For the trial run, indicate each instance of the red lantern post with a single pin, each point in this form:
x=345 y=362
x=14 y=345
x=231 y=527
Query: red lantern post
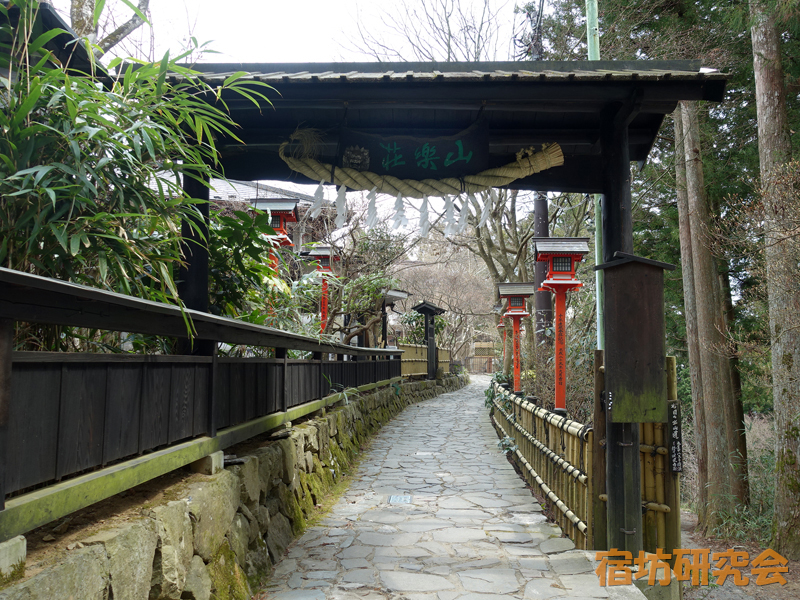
x=562 y=256
x=324 y=257
x=281 y=211
x=516 y=293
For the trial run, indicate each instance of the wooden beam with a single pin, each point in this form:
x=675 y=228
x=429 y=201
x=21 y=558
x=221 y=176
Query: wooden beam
x=6 y=350
x=35 y=299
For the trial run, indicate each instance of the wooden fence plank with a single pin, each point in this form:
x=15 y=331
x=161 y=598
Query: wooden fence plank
x=33 y=425
x=202 y=393
x=181 y=410
x=81 y=418
x=222 y=395
x=123 y=406
x=156 y=387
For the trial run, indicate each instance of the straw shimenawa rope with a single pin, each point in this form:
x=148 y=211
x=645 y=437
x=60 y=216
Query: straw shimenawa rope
x=528 y=162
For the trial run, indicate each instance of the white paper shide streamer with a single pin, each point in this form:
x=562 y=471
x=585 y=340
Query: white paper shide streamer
x=462 y=221
x=400 y=219
x=449 y=216
x=372 y=211
x=341 y=208
x=487 y=210
x=424 y=222
x=319 y=198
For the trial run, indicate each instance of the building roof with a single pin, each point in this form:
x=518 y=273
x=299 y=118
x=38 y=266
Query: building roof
x=561 y=246
x=516 y=289
x=318 y=251
x=275 y=206
x=426 y=308
x=522 y=104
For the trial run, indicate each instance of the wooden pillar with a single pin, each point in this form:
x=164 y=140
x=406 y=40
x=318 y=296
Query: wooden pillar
x=599 y=516
x=6 y=347
x=623 y=473
x=543 y=301
x=280 y=353
x=617 y=224
x=430 y=340
x=517 y=356
x=561 y=353
x=193 y=275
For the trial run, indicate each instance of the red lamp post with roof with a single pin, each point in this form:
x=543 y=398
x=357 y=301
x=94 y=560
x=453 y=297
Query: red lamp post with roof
x=516 y=293
x=562 y=256
x=324 y=257
x=282 y=212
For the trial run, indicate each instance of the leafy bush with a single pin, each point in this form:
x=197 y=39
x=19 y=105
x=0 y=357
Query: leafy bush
x=91 y=165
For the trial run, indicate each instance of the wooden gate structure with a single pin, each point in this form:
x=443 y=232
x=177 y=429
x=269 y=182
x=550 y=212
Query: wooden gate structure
x=564 y=462
x=602 y=114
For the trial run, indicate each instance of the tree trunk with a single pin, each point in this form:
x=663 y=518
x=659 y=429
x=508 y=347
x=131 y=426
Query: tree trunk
x=725 y=442
x=690 y=308
x=82 y=16
x=781 y=253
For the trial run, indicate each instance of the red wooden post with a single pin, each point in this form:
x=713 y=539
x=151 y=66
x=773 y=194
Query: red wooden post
x=323 y=303
x=517 y=356
x=562 y=256
x=561 y=351
x=516 y=293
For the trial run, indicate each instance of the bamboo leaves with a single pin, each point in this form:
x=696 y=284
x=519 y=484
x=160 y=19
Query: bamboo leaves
x=91 y=167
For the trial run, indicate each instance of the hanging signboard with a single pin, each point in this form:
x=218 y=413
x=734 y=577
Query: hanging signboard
x=674 y=437
x=411 y=157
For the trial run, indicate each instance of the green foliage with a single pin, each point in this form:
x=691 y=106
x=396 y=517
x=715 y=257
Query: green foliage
x=242 y=280
x=507 y=444
x=414 y=328
x=90 y=165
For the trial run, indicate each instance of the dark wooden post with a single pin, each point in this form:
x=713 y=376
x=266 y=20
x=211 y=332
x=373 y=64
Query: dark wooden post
x=281 y=353
x=543 y=301
x=599 y=515
x=635 y=382
x=623 y=474
x=617 y=223
x=193 y=276
x=430 y=340
x=320 y=378
x=6 y=347
x=429 y=311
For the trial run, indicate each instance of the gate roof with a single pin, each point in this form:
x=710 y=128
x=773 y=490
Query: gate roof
x=524 y=104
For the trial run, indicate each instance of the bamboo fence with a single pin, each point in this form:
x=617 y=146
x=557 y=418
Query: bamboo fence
x=564 y=462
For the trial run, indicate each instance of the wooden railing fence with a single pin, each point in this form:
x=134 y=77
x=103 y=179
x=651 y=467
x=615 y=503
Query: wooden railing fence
x=555 y=456
x=68 y=414
x=415 y=359
x=565 y=461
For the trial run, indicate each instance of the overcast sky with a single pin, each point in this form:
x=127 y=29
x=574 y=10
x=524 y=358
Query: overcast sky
x=273 y=30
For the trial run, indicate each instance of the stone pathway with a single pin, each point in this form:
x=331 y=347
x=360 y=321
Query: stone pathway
x=436 y=512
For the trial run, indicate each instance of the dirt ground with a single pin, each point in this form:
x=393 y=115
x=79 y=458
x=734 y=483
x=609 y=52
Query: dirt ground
x=729 y=591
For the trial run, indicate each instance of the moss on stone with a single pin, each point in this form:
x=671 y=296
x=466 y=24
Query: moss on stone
x=228 y=581
x=291 y=509
x=17 y=572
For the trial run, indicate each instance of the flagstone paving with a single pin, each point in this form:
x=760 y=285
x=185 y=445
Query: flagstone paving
x=436 y=512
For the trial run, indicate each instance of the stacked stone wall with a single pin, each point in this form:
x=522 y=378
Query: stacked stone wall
x=220 y=539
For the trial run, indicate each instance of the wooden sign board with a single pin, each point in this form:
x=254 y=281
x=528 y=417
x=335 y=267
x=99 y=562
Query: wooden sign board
x=635 y=355
x=415 y=157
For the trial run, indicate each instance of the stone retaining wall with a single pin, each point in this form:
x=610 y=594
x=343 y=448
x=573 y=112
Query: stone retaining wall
x=220 y=538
